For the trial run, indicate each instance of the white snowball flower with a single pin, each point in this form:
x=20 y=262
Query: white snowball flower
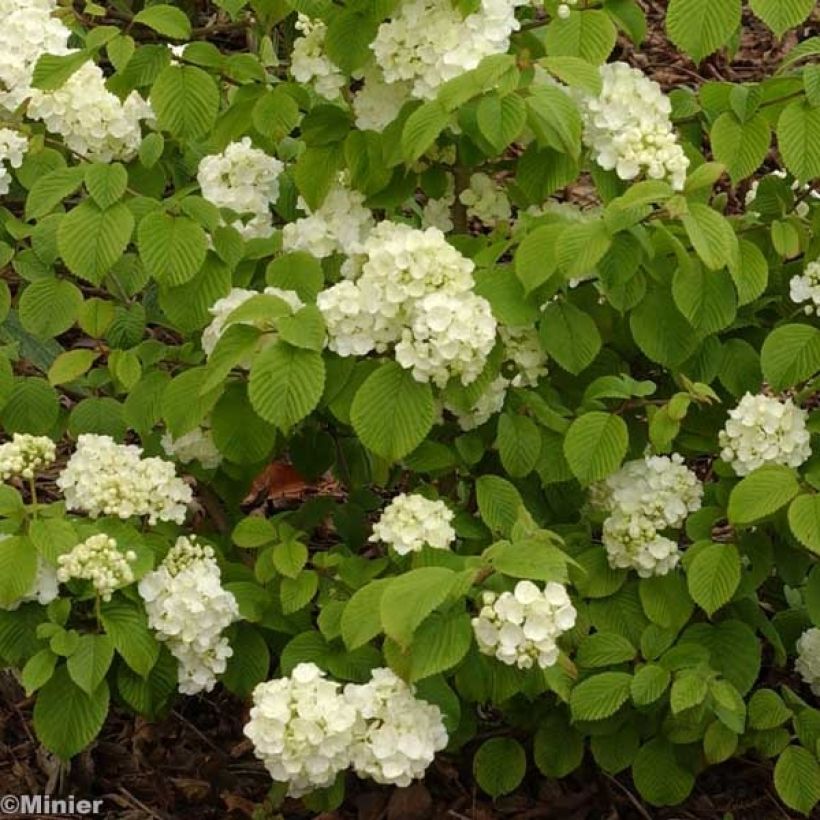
x=488 y=404
x=105 y=478
x=764 y=430
x=427 y=42
x=339 y=225
x=303 y=728
x=377 y=103
x=628 y=128
x=808 y=658
x=402 y=733
x=523 y=350
x=44 y=589
x=486 y=200
x=409 y=522
x=92 y=121
x=189 y=610
x=449 y=336
x=97 y=559
x=222 y=309
x=13 y=147
x=198 y=445
x=310 y=64
x=520 y=628
x=806 y=288
x=25 y=454
x=644 y=498
x=245 y=180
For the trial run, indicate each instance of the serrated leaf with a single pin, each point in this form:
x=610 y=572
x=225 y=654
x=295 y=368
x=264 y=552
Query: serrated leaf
x=804 y=520
x=701 y=27
x=172 y=248
x=595 y=445
x=762 y=493
x=711 y=235
x=51 y=189
x=519 y=444
x=361 y=618
x=740 y=146
x=106 y=182
x=590 y=35
x=659 y=776
x=409 y=598
x=49 y=307
x=714 y=576
x=570 y=336
x=499 y=503
x=90 y=661
x=185 y=100
x=781 y=15
x=422 y=128
x=797 y=779
x=166 y=20
x=499 y=765
x=600 y=696
x=790 y=354
x=798 y=135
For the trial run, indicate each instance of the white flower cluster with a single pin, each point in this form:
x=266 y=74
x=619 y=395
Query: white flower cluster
x=105 y=478
x=339 y=225
x=97 y=559
x=628 y=127
x=806 y=288
x=245 y=180
x=378 y=103
x=523 y=351
x=13 y=147
x=808 y=658
x=437 y=213
x=764 y=430
x=310 y=64
x=25 y=454
x=486 y=200
x=307 y=729
x=198 y=445
x=520 y=628
x=428 y=42
x=92 y=121
x=487 y=405
x=409 y=522
x=801 y=208
x=43 y=590
x=222 y=309
x=645 y=498
x=414 y=290
x=189 y=609
x=302 y=727
x=401 y=733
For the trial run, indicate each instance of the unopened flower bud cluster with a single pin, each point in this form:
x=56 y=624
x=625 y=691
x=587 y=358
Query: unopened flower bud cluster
x=413 y=290
x=106 y=478
x=25 y=454
x=197 y=445
x=628 y=129
x=764 y=430
x=13 y=147
x=410 y=522
x=99 y=560
x=222 y=309
x=644 y=499
x=245 y=180
x=806 y=288
x=307 y=729
x=520 y=628
x=808 y=658
x=189 y=610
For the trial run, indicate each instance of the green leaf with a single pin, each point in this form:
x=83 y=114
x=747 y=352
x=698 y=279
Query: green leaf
x=536 y=259
x=52 y=71
x=172 y=248
x=90 y=661
x=501 y=119
x=348 y=39
x=590 y=35
x=712 y=236
x=499 y=503
x=32 y=407
x=752 y=274
x=659 y=776
x=762 y=493
x=361 y=618
x=781 y=15
x=649 y=684
x=688 y=690
x=604 y=649
x=797 y=779
x=558 y=748
x=52 y=537
x=49 y=307
x=422 y=128
x=570 y=336
x=91 y=240
x=439 y=644
x=249 y=663
x=740 y=146
x=790 y=354
x=67 y=719
x=701 y=27
x=767 y=710
x=298 y=592
x=290 y=557
x=804 y=520
x=499 y=765
x=798 y=135
x=575 y=72
x=51 y=189
x=530 y=558
x=600 y=696
x=315 y=172
x=185 y=100
x=166 y=20
x=126 y=625
x=706 y=298
x=238 y=432
x=38 y=670
x=392 y=412
x=719 y=743
x=106 y=183
x=254 y=532
x=554 y=119
x=661 y=331
x=286 y=384
x=595 y=445
x=519 y=444
x=18 y=568
x=409 y=598
x=714 y=576
x=305 y=328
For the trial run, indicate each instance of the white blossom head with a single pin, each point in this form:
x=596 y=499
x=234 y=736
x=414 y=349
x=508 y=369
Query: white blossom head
x=808 y=658
x=410 y=522
x=25 y=455
x=99 y=560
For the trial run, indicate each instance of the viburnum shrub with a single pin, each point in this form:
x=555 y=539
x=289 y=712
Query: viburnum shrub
x=550 y=332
